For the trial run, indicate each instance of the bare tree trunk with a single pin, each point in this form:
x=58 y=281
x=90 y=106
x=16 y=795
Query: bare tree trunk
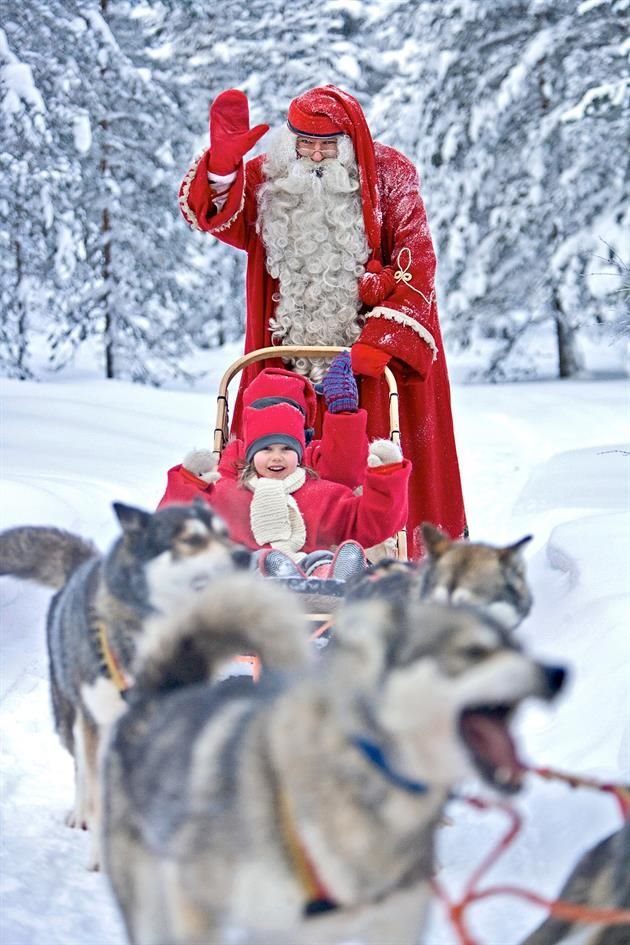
x=220 y=320
x=109 y=326
x=569 y=360
x=106 y=272
x=21 y=339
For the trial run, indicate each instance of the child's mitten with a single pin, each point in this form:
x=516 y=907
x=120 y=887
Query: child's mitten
x=339 y=386
x=203 y=464
x=383 y=453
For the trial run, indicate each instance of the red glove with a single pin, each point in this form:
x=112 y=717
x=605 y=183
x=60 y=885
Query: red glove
x=230 y=134
x=368 y=360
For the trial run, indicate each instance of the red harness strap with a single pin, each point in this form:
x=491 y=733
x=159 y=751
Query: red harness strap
x=621 y=793
x=317 y=896
x=558 y=908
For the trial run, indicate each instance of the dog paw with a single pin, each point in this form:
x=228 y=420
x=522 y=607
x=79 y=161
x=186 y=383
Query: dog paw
x=75 y=821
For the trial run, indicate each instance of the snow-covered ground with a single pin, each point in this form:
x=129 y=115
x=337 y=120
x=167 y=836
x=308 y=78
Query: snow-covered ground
x=550 y=458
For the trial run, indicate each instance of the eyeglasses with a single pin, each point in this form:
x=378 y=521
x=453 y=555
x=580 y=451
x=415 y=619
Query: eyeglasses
x=306 y=147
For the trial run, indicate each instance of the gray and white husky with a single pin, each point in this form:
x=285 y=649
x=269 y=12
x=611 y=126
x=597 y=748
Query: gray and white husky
x=302 y=809
x=97 y=616
x=491 y=578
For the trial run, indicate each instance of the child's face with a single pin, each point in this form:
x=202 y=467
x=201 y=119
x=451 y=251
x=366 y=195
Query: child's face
x=276 y=461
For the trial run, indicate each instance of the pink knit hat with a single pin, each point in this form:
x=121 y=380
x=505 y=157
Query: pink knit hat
x=327 y=111
x=277 y=385
x=279 y=423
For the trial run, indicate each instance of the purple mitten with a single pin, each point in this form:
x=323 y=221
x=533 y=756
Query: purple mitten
x=339 y=386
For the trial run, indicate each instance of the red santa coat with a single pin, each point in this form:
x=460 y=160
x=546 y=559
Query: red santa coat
x=405 y=325
x=332 y=512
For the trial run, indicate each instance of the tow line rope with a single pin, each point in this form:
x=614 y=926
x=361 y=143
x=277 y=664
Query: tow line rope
x=622 y=794
x=558 y=908
x=321 y=629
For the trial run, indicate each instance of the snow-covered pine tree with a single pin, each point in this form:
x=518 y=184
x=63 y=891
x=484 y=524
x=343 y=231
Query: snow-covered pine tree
x=136 y=249
x=114 y=262
x=31 y=164
x=516 y=112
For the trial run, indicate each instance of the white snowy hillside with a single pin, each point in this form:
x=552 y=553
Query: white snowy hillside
x=548 y=458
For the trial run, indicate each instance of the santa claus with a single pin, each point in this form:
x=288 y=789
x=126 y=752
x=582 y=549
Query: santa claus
x=339 y=252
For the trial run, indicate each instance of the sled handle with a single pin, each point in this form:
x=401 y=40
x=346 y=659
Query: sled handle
x=221 y=430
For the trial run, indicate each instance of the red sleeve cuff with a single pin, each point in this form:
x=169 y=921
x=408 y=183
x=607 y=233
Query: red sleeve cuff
x=397 y=341
x=387 y=468
x=190 y=476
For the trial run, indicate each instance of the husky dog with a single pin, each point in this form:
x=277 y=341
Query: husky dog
x=96 y=618
x=601 y=879
x=303 y=809
x=489 y=577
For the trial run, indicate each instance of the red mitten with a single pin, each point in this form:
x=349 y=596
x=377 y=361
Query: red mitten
x=376 y=283
x=368 y=360
x=230 y=134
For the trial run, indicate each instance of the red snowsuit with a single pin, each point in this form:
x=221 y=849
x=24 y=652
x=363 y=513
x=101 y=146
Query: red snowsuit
x=405 y=326
x=340 y=455
x=332 y=512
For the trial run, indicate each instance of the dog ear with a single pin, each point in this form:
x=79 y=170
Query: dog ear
x=510 y=550
x=436 y=541
x=132 y=520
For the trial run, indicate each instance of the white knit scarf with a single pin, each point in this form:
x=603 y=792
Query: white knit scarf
x=274 y=515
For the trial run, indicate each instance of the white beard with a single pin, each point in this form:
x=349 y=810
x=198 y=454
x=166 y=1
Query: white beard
x=310 y=220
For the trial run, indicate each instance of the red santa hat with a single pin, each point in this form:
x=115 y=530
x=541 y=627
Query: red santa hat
x=328 y=111
x=278 y=423
x=277 y=385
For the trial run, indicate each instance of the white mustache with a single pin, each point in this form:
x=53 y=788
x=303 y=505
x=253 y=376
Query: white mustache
x=328 y=176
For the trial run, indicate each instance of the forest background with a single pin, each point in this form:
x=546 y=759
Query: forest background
x=515 y=112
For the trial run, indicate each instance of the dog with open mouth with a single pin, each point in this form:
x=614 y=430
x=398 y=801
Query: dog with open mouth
x=98 y=615
x=303 y=810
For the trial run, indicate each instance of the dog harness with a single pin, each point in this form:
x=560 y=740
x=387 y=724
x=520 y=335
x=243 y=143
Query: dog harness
x=318 y=898
x=109 y=662
x=376 y=756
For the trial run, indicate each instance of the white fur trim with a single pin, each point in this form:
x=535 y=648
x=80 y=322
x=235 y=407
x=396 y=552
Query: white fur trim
x=185 y=207
x=187 y=210
x=383 y=452
x=219 y=179
x=380 y=311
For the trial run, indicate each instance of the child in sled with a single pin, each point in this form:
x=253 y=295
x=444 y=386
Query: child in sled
x=270 y=498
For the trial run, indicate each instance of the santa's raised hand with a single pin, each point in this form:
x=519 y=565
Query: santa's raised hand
x=230 y=135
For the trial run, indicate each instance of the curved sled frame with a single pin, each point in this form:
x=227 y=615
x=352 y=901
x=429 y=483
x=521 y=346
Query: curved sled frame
x=221 y=430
